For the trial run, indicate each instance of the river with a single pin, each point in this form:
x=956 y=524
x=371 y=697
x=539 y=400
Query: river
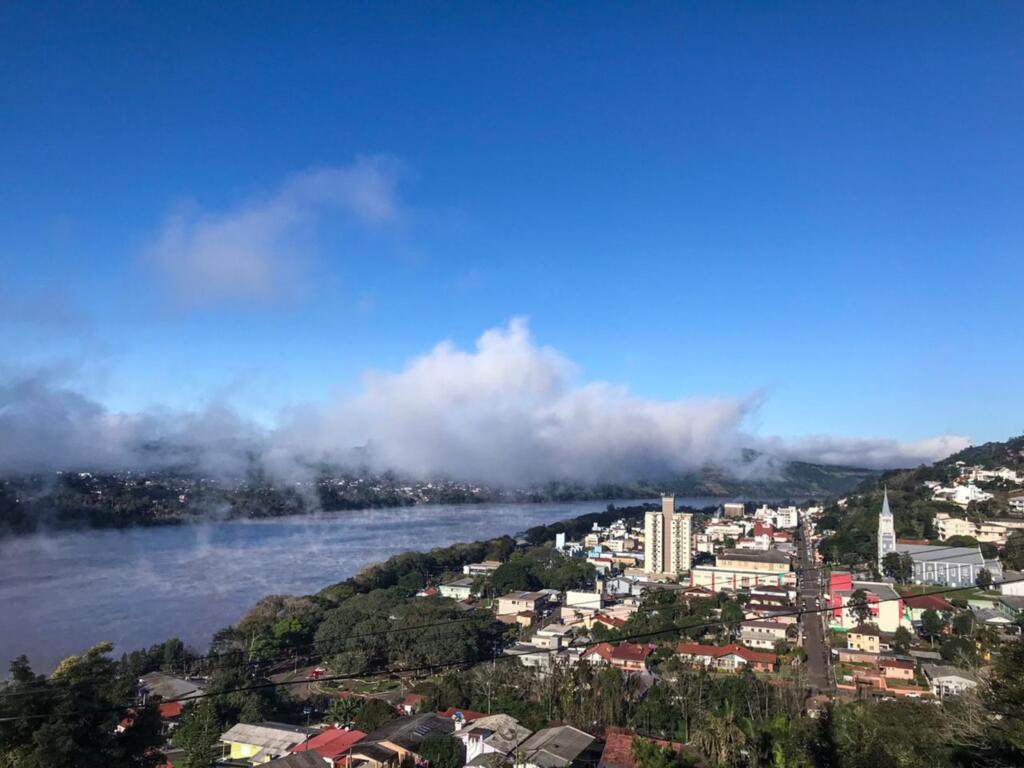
x=63 y=592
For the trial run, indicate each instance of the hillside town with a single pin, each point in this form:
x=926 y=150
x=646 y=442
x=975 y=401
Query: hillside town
x=650 y=598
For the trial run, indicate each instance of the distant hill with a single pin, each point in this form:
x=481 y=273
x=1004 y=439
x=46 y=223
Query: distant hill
x=123 y=499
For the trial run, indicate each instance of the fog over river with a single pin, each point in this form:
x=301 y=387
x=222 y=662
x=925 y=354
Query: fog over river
x=62 y=592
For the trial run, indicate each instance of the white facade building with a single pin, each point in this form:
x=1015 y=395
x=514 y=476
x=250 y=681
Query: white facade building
x=667 y=539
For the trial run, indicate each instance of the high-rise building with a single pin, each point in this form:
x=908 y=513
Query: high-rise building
x=667 y=539
x=886 y=530
x=733 y=509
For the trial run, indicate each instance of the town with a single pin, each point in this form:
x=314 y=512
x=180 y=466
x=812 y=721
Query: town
x=626 y=608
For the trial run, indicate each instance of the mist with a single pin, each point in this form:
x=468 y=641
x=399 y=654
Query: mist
x=508 y=411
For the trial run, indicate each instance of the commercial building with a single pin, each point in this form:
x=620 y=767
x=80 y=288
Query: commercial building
x=886 y=605
x=739 y=569
x=667 y=539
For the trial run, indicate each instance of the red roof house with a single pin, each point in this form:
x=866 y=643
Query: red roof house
x=729 y=657
x=332 y=744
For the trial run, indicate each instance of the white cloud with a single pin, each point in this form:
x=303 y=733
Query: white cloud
x=877 y=453
x=508 y=410
x=259 y=251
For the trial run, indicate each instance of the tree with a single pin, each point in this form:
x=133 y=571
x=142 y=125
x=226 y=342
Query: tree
x=1013 y=552
x=959 y=651
x=899 y=566
x=442 y=750
x=859 y=606
x=932 y=624
x=198 y=734
x=343 y=712
x=984 y=579
x=902 y=639
x=647 y=754
x=963 y=624
x=373 y=715
x=513 y=576
x=732 y=615
x=71 y=718
x=721 y=739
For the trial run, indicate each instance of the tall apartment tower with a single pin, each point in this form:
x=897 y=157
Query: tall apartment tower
x=886 y=530
x=667 y=539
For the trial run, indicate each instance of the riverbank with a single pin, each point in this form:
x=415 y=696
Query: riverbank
x=62 y=592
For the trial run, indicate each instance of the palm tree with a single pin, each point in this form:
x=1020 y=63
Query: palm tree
x=343 y=711
x=721 y=739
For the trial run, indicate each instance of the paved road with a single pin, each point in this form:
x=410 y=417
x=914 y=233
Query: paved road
x=810 y=597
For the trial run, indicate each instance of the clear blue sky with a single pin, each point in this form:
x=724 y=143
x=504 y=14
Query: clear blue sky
x=824 y=203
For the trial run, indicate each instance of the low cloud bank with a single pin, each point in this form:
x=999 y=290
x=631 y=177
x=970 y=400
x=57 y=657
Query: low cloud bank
x=508 y=411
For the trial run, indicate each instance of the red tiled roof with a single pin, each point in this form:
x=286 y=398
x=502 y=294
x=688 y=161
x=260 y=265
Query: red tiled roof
x=632 y=652
x=911 y=541
x=412 y=698
x=925 y=602
x=612 y=621
x=468 y=715
x=618 y=748
x=760 y=529
x=170 y=710
x=604 y=650
x=332 y=743
x=714 y=651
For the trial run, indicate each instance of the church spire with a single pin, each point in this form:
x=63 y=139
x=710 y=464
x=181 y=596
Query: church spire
x=886 y=512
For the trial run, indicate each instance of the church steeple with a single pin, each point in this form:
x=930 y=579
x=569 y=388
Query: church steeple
x=886 y=529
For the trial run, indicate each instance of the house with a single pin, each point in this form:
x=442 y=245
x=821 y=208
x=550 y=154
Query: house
x=259 y=743
x=629 y=657
x=461 y=716
x=914 y=606
x=460 y=589
x=391 y=743
x=896 y=669
x=491 y=735
x=169 y=687
x=618 y=748
x=332 y=745
x=558 y=747
x=515 y=603
x=948 y=681
x=885 y=604
x=299 y=760
x=410 y=705
x=763 y=634
x=728 y=658
x=865 y=637
x=170 y=714
x=608 y=622
x=484 y=568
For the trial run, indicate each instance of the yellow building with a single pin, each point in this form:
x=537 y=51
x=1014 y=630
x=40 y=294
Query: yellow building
x=864 y=638
x=260 y=743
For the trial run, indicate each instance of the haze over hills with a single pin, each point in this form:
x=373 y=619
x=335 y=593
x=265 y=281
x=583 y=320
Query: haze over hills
x=184 y=493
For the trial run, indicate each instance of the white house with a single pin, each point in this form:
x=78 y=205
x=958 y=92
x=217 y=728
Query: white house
x=948 y=681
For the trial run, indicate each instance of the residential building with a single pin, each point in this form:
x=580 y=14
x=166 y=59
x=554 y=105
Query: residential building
x=897 y=669
x=1016 y=503
x=387 y=746
x=864 y=637
x=948 y=681
x=491 y=735
x=259 y=743
x=914 y=606
x=559 y=747
x=518 y=602
x=1013 y=583
x=729 y=658
x=484 y=568
x=629 y=657
x=733 y=509
x=667 y=546
x=574 y=599
x=460 y=589
x=763 y=634
x=332 y=744
x=299 y=760
x=886 y=605
x=169 y=686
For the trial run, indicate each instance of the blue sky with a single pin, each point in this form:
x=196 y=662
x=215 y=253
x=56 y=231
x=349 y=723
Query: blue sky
x=817 y=206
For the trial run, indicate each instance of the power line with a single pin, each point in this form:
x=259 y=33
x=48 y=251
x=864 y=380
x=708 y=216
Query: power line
x=508 y=655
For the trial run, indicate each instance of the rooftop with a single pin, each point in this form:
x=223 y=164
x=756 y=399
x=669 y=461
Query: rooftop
x=555 y=747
